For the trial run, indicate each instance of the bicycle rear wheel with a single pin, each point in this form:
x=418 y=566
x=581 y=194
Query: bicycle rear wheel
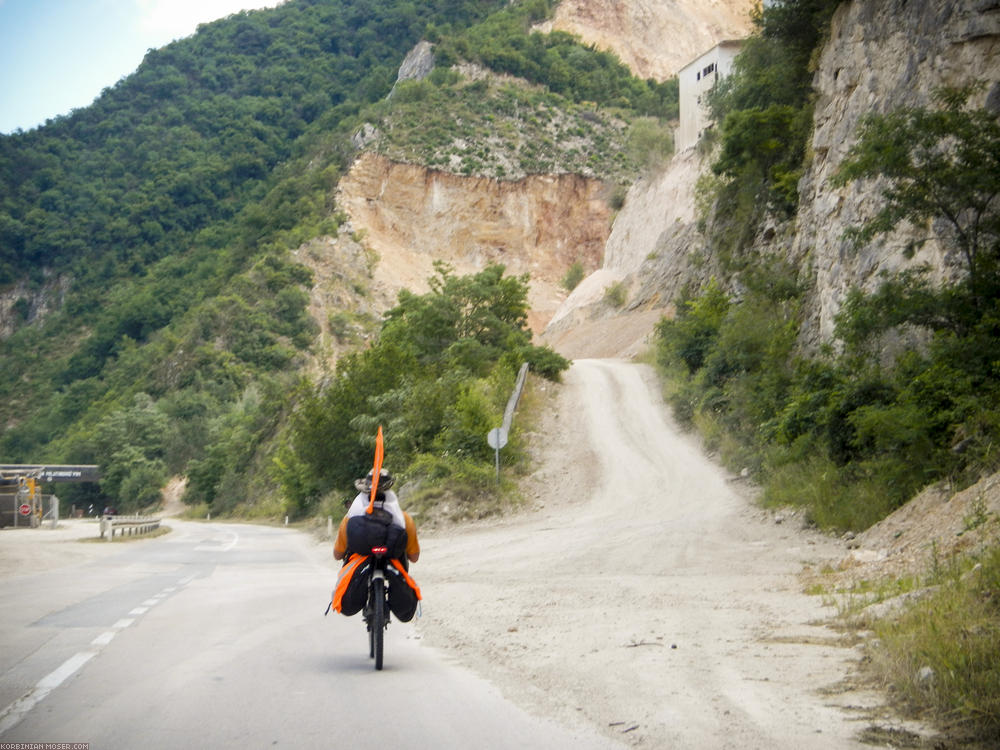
x=371 y=636
x=378 y=620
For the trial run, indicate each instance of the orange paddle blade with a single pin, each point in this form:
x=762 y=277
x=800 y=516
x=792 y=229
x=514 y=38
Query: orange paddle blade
x=377 y=468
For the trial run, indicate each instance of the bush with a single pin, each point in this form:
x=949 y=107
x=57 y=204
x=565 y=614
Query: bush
x=615 y=294
x=448 y=488
x=691 y=334
x=650 y=142
x=437 y=380
x=574 y=275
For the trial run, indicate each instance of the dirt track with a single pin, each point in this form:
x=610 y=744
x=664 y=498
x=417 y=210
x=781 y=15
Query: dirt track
x=646 y=594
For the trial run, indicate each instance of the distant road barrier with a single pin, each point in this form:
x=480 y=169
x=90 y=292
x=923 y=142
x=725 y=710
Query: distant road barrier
x=127 y=525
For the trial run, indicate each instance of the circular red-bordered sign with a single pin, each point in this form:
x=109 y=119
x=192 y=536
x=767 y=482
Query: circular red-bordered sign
x=25 y=509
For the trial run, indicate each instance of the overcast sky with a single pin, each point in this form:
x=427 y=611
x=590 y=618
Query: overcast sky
x=58 y=55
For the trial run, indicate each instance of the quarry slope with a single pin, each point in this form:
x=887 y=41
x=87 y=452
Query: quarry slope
x=411 y=216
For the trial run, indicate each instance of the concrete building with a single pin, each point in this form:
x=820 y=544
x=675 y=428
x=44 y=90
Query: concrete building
x=694 y=82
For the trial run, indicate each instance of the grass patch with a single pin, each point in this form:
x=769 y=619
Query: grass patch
x=832 y=499
x=616 y=294
x=450 y=490
x=941 y=657
x=574 y=275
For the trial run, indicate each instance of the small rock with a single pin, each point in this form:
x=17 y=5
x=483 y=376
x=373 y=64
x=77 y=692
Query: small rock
x=925 y=676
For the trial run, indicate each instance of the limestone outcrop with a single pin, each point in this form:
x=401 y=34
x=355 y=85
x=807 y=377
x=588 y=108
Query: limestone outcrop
x=881 y=56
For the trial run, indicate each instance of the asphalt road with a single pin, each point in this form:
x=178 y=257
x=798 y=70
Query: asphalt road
x=213 y=636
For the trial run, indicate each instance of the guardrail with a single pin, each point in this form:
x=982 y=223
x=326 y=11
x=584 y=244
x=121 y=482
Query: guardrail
x=127 y=525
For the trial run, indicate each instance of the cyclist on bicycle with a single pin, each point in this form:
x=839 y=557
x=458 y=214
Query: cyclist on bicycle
x=387 y=507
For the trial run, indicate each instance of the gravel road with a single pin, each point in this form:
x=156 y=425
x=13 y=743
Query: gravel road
x=644 y=593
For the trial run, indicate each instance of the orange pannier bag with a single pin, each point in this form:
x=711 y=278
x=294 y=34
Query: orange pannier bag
x=349 y=599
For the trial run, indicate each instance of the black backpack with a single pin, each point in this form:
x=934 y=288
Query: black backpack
x=375 y=529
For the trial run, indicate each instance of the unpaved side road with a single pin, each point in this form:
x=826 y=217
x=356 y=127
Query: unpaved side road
x=644 y=594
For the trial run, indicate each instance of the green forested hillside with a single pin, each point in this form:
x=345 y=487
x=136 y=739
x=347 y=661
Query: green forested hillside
x=154 y=229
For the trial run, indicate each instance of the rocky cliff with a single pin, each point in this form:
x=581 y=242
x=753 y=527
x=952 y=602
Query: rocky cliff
x=879 y=56
x=409 y=215
x=651 y=252
x=654 y=37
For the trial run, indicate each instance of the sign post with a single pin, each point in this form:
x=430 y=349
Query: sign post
x=497 y=439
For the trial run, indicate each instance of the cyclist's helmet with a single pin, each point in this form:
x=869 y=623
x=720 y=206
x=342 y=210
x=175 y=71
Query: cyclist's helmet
x=385 y=480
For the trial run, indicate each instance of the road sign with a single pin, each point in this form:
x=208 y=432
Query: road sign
x=497 y=438
x=49 y=473
x=25 y=509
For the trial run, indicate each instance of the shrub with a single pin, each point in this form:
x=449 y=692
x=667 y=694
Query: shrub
x=574 y=275
x=615 y=294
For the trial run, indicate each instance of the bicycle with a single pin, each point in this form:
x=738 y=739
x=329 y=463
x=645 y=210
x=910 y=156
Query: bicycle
x=376 y=609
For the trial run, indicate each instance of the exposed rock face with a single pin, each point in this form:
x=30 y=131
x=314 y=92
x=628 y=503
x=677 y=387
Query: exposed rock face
x=650 y=251
x=655 y=38
x=412 y=216
x=881 y=56
x=418 y=63
x=24 y=304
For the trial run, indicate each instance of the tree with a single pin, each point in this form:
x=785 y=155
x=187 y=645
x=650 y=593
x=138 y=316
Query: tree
x=691 y=335
x=436 y=379
x=129 y=447
x=941 y=164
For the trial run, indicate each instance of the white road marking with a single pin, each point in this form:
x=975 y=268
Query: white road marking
x=16 y=710
x=104 y=638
